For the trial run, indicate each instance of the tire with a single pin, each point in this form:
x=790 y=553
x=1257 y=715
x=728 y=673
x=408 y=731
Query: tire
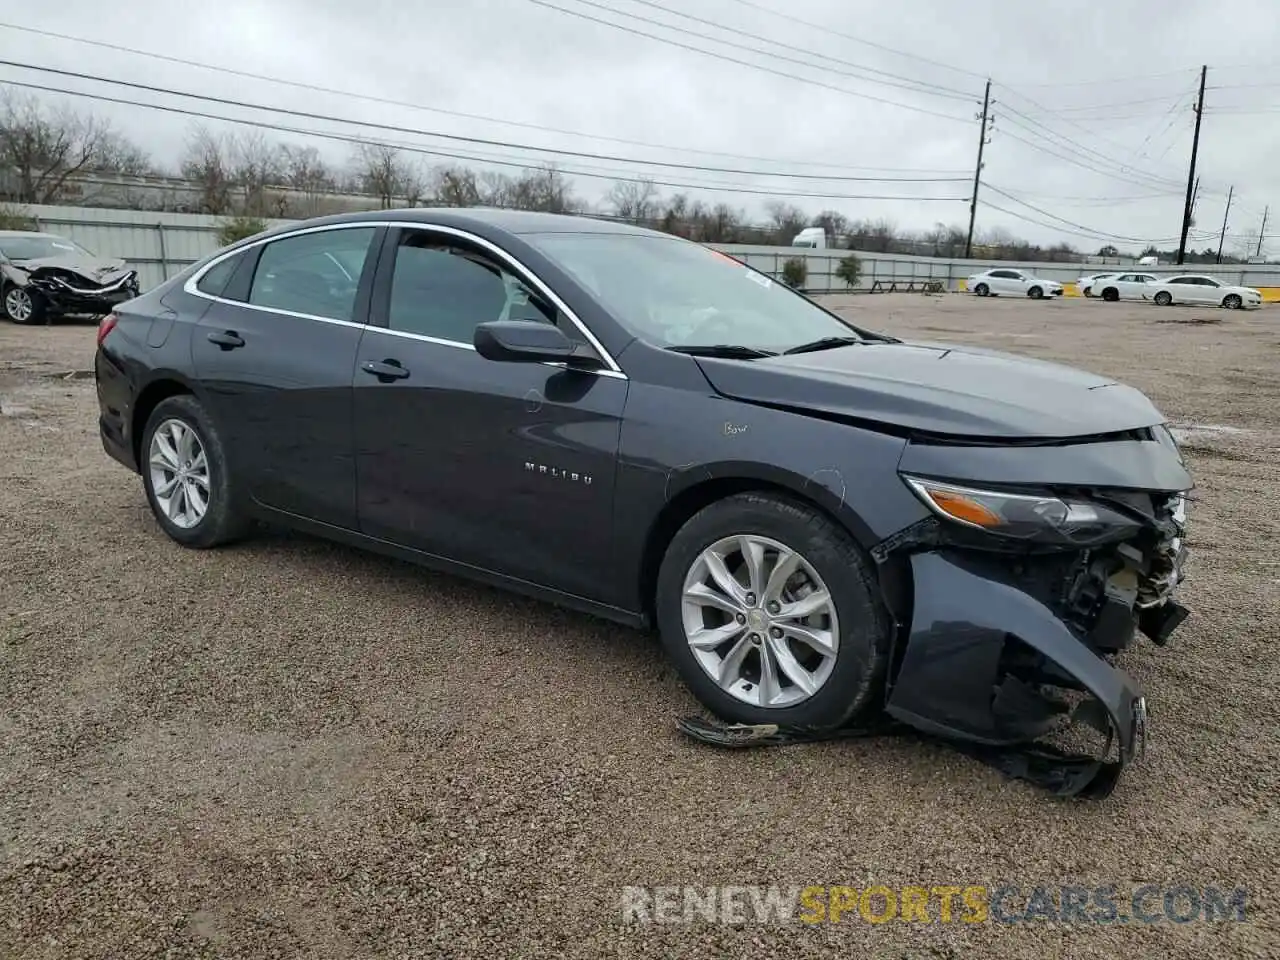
x=1163 y=298
x=222 y=520
x=1088 y=292
x=982 y=290
x=1036 y=293
x=1232 y=301
x=846 y=682
x=22 y=306
x=1111 y=295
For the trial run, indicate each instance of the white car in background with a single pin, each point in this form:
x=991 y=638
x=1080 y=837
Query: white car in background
x=1125 y=286
x=1085 y=283
x=1007 y=282
x=1197 y=288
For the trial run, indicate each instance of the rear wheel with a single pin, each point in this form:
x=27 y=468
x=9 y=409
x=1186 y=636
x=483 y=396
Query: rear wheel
x=982 y=290
x=771 y=614
x=1111 y=294
x=1035 y=293
x=1164 y=298
x=1232 y=301
x=23 y=306
x=185 y=474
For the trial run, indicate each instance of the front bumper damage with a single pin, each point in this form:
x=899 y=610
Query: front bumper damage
x=1002 y=649
x=66 y=291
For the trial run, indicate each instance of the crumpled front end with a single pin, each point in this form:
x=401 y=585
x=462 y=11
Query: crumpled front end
x=66 y=290
x=1013 y=613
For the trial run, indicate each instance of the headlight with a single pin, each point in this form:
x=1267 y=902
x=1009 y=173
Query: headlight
x=1021 y=516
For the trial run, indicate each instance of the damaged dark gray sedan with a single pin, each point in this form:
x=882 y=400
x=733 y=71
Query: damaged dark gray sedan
x=824 y=522
x=43 y=276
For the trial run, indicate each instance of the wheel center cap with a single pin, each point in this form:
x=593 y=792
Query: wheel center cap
x=756 y=619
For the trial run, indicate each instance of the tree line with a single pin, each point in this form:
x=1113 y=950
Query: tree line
x=48 y=151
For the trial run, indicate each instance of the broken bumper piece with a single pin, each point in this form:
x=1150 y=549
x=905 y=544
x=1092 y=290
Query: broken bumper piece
x=983 y=660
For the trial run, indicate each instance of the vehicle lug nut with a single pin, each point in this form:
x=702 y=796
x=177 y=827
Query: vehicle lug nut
x=755 y=638
x=774 y=606
x=776 y=633
x=742 y=618
x=751 y=599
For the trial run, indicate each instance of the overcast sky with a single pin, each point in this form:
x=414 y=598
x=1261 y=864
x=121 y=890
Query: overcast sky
x=1093 y=114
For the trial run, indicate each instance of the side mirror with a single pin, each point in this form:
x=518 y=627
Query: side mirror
x=527 y=341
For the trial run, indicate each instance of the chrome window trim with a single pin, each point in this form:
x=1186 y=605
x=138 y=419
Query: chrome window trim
x=189 y=286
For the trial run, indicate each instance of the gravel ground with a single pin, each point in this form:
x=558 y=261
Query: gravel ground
x=291 y=749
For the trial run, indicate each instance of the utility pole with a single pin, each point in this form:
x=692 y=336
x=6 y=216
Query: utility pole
x=1223 y=235
x=1262 y=232
x=1191 y=174
x=977 y=172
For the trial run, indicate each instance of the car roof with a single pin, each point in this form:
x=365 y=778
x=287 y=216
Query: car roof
x=510 y=221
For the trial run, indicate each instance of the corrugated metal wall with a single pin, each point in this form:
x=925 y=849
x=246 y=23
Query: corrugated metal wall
x=162 y=244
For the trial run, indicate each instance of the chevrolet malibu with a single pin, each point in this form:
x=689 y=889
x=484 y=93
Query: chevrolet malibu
x=822 y=521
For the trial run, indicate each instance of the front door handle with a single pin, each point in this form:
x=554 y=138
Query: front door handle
x=385 y=370
x=227 y=339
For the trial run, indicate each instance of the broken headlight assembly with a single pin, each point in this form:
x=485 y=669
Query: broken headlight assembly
x=1043 y=518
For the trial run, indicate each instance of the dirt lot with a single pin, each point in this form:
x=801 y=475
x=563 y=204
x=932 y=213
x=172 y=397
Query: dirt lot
x=289 y=749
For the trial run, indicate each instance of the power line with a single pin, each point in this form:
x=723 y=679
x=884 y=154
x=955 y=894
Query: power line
x=790 y=18
x=746 y=63
x=308 y=115
x=1080 y=163
x=362 y=140
x=1094 y=233
x=918 y=86
x=370 y=98
x=1050 y=226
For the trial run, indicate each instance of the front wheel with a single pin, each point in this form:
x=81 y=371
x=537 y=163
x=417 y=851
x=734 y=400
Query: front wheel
x=185 y=474
x=1164 y=298
x=1035 y=293
x=982 y=290
x=23 y=306
x=771 y=614
x=1232 y=301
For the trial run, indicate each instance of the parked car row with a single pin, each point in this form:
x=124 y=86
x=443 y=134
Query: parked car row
x=1182 y=288
x=44 y=276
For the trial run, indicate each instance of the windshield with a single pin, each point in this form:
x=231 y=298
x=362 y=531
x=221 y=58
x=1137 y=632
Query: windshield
x=673 y=293
x=36 y=247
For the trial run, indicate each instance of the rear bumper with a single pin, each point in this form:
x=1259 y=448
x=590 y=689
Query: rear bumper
x=114 y=410
x=960 y=676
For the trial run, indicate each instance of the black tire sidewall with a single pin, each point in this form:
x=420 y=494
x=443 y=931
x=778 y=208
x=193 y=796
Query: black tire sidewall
x=221 y=521
x=1163 y=298
x=981 y=290
x=1035 y=293
x=1111 y=295
x=854 y=684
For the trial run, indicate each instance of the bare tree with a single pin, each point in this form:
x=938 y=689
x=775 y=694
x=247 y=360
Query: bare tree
x=455 y=186
x=205 y=162
x=633 y=200
x=787 y=220
x=305 y=171
x=256 y=164
x=545 y=189
x=833 y=223
x=46 y=146
x=384 y=172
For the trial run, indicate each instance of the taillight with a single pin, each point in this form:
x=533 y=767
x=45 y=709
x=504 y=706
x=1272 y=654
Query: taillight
x=105 y=326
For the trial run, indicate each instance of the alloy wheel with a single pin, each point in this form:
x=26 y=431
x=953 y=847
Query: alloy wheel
x=1232 y=302
x=760 y=621
x=18 y=305
x=179 y=473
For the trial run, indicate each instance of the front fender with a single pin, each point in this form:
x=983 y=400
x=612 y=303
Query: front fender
x=949 y=672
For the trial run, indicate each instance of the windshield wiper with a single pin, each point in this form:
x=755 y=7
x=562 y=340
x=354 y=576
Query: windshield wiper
x=824 y=343
x=728 y=351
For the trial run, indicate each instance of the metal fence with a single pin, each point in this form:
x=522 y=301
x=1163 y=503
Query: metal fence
x=161 y=244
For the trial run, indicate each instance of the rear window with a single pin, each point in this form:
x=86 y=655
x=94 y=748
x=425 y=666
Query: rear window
x=216 y=278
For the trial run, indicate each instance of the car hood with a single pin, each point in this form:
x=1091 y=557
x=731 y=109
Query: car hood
x=97 y=269
x=938 y=388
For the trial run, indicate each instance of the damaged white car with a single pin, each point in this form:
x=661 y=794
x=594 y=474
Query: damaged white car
x=43 y=276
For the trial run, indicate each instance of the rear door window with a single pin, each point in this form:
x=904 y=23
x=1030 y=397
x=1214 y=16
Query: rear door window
x=314 y=274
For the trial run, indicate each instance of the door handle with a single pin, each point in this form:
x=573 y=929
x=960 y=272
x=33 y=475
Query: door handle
x=385 y=370
x=227 y=339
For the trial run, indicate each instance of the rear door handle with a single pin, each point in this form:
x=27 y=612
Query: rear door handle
x=227 y=339
x=385 y=370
